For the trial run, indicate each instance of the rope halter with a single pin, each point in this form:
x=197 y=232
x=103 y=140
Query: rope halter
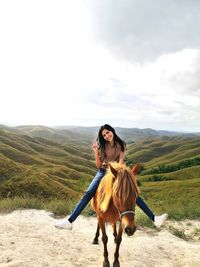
x=126 y=212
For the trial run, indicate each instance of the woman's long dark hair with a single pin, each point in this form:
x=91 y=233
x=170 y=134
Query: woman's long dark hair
x=102 y=142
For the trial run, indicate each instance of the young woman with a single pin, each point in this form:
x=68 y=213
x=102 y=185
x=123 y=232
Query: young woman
x=108 y=147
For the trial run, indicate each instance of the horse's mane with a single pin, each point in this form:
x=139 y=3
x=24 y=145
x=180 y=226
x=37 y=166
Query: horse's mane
x=105 y=191
x=121 y=188
x=124 y=186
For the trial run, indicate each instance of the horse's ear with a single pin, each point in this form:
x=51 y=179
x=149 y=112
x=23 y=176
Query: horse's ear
x=135 y=168
x=113 y=170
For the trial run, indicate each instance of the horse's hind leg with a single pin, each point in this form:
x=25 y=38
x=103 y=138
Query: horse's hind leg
x=118 y=242
x=95 y=240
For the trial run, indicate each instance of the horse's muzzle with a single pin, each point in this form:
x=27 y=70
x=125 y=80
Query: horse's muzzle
x=130 y=230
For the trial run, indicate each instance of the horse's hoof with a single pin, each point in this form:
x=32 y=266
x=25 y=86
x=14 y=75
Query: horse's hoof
x=116 y=264
x=95 y=242
x=106 y=264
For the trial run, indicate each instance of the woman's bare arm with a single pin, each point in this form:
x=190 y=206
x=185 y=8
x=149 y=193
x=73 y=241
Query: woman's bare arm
x=96 y=153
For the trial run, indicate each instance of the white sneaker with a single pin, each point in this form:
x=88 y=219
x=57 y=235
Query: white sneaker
x=159 y=220
x=64 y=224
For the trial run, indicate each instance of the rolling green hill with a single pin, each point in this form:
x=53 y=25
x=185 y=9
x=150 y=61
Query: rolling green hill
x=152 y=152
x=40 y=167
x=169 y=173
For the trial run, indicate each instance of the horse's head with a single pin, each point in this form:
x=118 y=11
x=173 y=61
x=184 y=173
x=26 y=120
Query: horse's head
x=124 y=195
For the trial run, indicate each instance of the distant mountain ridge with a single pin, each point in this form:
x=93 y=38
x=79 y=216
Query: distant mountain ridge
x=85 y=135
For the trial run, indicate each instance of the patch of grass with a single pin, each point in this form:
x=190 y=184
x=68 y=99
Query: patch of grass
x=10 y=204
x=58 y=207
x=88 y=211
x=156 y=178
x=184 y=174
x=180 y=199
x=178 y=233
x=142 y=219
x=196 y=232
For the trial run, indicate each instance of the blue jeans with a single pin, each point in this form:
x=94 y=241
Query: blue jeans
x=88 y=195
x=140 y=202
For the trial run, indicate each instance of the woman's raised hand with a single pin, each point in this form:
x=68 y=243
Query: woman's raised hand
x=95 y=147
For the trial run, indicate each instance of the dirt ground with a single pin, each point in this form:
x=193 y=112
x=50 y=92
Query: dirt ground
x=28 y=238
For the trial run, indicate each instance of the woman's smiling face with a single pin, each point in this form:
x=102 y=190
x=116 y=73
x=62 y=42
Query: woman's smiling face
x=107 y=135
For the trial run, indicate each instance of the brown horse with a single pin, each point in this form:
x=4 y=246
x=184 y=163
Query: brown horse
x=114 y=202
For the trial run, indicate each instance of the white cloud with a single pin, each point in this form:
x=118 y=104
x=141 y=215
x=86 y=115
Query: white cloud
x=143 y=30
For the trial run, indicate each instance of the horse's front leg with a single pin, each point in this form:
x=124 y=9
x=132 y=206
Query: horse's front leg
x=118 y=240
x=114 y=226
x=104 y=240
x=95 y=240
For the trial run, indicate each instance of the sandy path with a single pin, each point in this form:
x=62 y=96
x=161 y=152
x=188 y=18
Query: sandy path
x=28 y=238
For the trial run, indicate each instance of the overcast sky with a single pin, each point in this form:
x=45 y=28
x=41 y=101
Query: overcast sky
x=129 y=63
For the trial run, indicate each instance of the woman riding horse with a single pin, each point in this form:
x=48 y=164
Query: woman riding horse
x=108 y=147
